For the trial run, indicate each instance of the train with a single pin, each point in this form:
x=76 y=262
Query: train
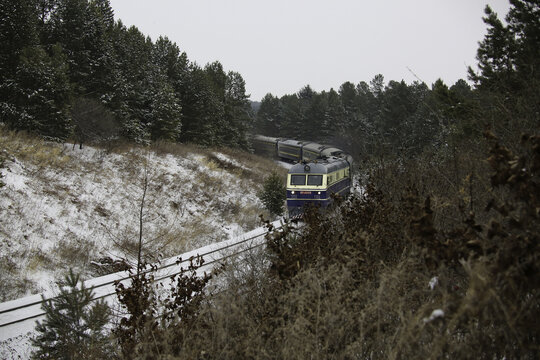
x=320 y=171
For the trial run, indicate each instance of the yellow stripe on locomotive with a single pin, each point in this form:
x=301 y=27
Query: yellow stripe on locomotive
x=314 y=183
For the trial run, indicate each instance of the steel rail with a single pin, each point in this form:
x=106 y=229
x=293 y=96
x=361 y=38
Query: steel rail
x=156 y=270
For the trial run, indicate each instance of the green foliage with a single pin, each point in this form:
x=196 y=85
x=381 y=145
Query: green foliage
x=273 y=194
x=74 y=325
x=404 y=120
x=237 y=111
x=165 y=114
x=17 y=31
x=508 y=55
x=508 y=79
x=37 y=97
x=74 y=47
x=366 y=120
x=268 y=116
x=83 y=29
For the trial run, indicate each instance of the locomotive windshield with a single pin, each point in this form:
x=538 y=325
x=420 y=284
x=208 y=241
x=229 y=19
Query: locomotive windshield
x=298 y=179
x=315 y=180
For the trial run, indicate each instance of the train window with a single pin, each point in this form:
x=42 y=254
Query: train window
x=330 y=179
x=298 y=179
x=314 y=180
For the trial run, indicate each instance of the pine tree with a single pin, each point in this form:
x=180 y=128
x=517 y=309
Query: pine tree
x=83 y=28
x=217 y=82
x=74 y=327
x=132 y=93
x=202 y=109
x=495 y=54
x=237 y=111
x=348 y=95
x=273 y=194
x=18 y=19
x=508 y=79
x=100 y=83
x=315 y=116
x=363 y=128
x=509 y=55
x=377 y=85
x=268 y=117
x=39 y=96
x=165 y=115
x=165 y=121
x=332 y=125
x=292 y=117
x=172 y=63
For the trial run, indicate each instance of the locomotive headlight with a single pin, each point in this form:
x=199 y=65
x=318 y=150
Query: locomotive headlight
x=292 y=192
x=319 y=193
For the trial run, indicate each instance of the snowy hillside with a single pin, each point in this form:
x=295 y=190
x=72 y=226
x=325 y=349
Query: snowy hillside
x=66 y=207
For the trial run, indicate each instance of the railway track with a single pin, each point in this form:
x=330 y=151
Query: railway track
x=18 y=317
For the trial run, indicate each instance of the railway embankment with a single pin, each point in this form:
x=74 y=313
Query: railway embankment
x=64 y=207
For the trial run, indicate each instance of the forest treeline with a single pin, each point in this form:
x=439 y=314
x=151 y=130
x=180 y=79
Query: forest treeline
x=437 y=257
x=69 y=69
x=370 y=117
x=403 y=119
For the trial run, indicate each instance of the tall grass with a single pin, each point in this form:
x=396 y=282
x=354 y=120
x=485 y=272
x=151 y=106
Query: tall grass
x=434 y=261
x=182 y=213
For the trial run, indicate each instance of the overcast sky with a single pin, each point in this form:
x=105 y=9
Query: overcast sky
x=279 y=46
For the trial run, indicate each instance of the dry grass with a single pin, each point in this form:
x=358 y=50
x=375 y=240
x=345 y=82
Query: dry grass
x=174 y=216
x=392 y=275
x=28 y=148
x=11 y=282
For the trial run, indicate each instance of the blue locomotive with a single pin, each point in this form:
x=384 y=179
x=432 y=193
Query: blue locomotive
x=314 y=183
x=321 y=171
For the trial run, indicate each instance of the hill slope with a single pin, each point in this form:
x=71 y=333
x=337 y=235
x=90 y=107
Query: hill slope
x=65 y=207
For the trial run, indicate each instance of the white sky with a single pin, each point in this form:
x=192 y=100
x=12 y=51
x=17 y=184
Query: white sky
x=279 y=46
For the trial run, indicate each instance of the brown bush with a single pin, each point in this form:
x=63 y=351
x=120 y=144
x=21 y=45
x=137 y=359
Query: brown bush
x=386 y=276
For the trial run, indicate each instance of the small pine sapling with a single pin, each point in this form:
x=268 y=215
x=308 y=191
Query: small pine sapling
x=273 y=194
x=74 y=325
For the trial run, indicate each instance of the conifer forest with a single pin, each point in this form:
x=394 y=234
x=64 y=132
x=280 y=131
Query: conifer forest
x=435 y=255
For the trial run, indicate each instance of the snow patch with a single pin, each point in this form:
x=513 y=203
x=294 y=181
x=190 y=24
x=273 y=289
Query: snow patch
x=433 y=282
x=436 y=314
x=88 y=208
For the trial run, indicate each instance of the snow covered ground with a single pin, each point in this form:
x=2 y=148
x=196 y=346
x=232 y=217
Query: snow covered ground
x=65 y=207
x=15 y=338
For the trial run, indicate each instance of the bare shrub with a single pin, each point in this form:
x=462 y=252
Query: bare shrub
x=155 y=321
x=74 y=252
x=384 y=276
x=12 y=285
x=236 y=322
x=162 y=147
x=93 y=122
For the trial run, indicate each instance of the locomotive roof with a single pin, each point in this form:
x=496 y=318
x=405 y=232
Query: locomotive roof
x=327 y=150
x=293 y=142
x=320 y=166
x=265 y=138
x=315 y=146
x=330 y=150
